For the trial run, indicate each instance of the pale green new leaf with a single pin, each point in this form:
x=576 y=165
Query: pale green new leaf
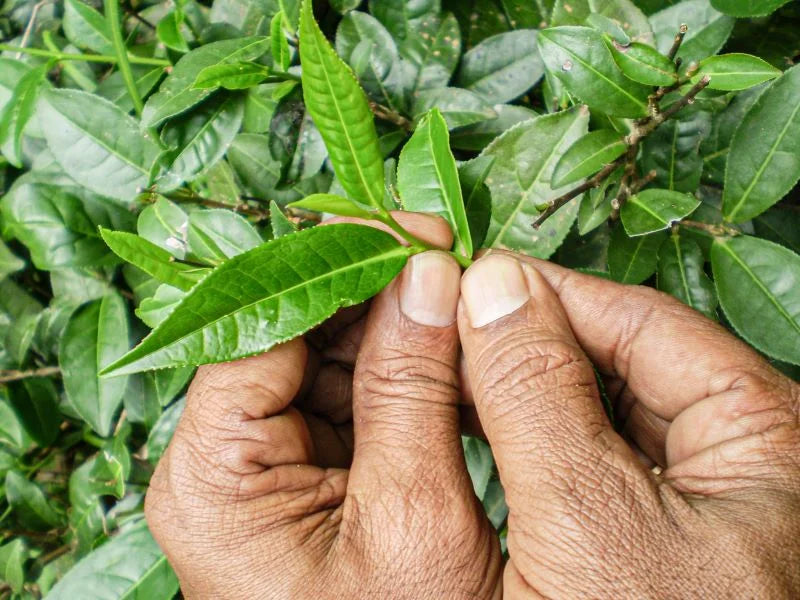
x=216 y=235
x=87 y=28
x=764 y=158
x=151 y=259
x=732 y=72
x=99 y=145
x=340 y=110
x=231 y=76
x=19 y=111
x=168 y=31
x=333 y=204
x=643 y=63
x=269 y=295
x=525 y=157
x=281 y=55
x=95 y=337
x=427 y=178
x=580 y=60
x=681 y=274
x=655 y=209
x=12 y=561
x=178 y=93
x=130 y=566
x=588 y=155
x=757 y=283
x=279 y=222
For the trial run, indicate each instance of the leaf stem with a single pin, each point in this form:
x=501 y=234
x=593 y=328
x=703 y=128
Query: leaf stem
x=387 y=219
x=16 y=375
x=715 y=229
x=103 y=58
x=124 y=65
x=191 y=197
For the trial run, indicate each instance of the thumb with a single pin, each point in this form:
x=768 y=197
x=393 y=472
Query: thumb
x=536 y=394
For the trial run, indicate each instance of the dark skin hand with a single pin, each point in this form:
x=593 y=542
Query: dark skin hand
x=257 y=496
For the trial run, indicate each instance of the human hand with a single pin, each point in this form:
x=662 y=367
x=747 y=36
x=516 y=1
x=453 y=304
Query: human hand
x=587 y=519
x=251 y=499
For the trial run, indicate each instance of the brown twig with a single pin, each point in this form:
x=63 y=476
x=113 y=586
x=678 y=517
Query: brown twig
x=242 y=208
x=715 y=229
x=7 y=376
x=387 y=114
x=676 y=44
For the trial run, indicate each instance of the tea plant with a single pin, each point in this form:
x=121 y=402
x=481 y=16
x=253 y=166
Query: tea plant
x=165 y=164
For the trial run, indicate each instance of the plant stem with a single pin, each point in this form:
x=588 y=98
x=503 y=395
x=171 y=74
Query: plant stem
x=387 y=114
x=103 y=58
x=676 y=44
x=82 y=80
x=715 y=229
x=386 y=218
x=124 y=65
x=15 y=375
x=191 y=197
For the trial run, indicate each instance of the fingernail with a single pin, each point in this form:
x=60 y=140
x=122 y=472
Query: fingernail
x=429 y=289
x=492 y=288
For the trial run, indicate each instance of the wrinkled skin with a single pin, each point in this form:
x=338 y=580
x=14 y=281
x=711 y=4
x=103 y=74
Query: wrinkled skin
x=290 y=476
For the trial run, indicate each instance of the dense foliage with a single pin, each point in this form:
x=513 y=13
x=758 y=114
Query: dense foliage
x=164 y=164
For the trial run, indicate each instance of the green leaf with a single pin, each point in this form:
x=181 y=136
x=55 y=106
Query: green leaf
x=281 y=54
x=58 y=223
x=427 y=178
x=748 y=8
x=30 y=504
x=480 y=463
x=609 y=27
x=340 y=110
x=218 y=234
x=479 y=135
x=654 y=209
x=87 y=28
x=11 y=430
x=199 y=139
x=95 y=336
x=86 y=515
x=166 y=225
x=596 y=205
x=36 y=402
x=525 y=157
x=151 y=259
x=708 y=29
x=477 y=197
x=433 y=49
x=502 y=67
x=98 y=144
x=587 y=156
x=152 y=311
x=295 y=141
x=169 y=33
x=162 y=431
x=231 y=76
x=9 y=263
x=579 y=58
x=403 y=17
x=731 y=72
x=458 y=107
x=129 y=566
x=177 y=93
x=331 y=203
x=757 y=283
x=764 y=159
x=632 y=260
x=672 y=151
x=113 y=464
x=291 y=284
x=281 y=226
x=624 y=13
x=113 y=87
x=20 y=109
x=780 y=225
x=681 y=274
x=12 y=564
x=643 y=63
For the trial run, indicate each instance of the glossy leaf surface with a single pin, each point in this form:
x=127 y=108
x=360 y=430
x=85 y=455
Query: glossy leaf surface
x=587 y=156
x=653 y=210
x=681 y=273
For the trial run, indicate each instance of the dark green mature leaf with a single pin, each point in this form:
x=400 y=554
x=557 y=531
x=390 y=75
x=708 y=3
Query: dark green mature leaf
x=623 y=12
x=479 y=135
x=427 y=178
x=402 y=17
x=291 y=284
x=295 y=141
x=199 y=139
x=218 y=234
x=129 y=566
x=162 y=431
x=643 y=63
x=587 y=156
x=502 y=67
x=12 y=562
x=87 y=28
x=166 y=225
x=9 y=262
x=731 y=72
x=30 y=504
x=708 y=29
x=681 y=274
x=748 y=8
x=477 y=197
x=596 y=205
x=95 y=336
x=764 y=159
x=113 y=87
x=59 y=223
x=86 y=515
x=151 y=259
x=18 y=315
x=459 y=107
x=632 y=260
x=94 y=141
x=780 y=225
x=231 y=76
x=579 y=58
x=525 y=157
x=36 y=402
x=152 y=311
x=178 y=93
x=672 y=151
x=243 y=16
x=340 y=109
x=757 y=283
x=654 y=209
x=433 y=50
x=12 y=431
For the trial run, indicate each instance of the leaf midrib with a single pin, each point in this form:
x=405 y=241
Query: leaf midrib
x=449 y=203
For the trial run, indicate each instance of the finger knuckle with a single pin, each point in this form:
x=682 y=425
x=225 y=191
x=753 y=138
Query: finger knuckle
x=405 y=377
